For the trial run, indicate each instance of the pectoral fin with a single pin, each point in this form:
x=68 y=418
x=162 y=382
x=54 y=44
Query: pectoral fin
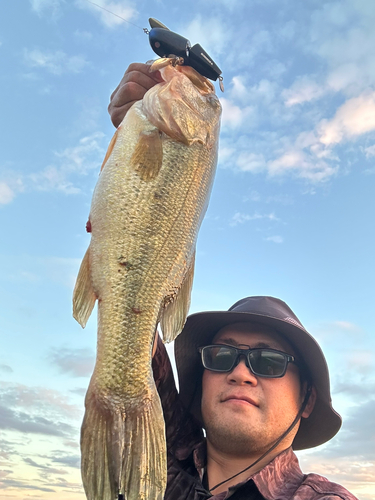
x=174 y=315
x=84 y=296
x=148 y=155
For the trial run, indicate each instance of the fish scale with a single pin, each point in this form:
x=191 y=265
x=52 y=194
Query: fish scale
x=146 y=211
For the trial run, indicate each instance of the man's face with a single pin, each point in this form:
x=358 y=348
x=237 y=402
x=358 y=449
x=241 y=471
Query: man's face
x=243 y=412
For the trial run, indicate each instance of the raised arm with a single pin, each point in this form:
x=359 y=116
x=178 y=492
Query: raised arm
x=181 y=428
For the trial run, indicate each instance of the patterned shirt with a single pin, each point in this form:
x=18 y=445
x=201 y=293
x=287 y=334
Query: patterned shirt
x=280 y=479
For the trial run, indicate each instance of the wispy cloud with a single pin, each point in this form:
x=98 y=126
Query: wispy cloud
x=233 y=116
x=275 y=239
x=78 y=362
x=123 y=10
x=44 y=468
x=76 y=160
x=6 y=368
x=63 y=175
x=26 y=423
x=69 y=460
x=57 y=62
x=24 y=485
x=304 y=89
x=6 y=193
x=24 y=403
x=354 y=118
x=6 y=450
x=212 y=33
x=303 y=165
x=49 y=7
x=370 y=151
x=271 y=118
x=241 y=218
x=354 y=389
x=346 y=325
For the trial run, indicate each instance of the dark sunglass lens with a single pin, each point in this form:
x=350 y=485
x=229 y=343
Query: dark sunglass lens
x=218 y=358
x=267 y=363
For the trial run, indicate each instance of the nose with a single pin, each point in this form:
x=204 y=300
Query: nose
x=241 y=374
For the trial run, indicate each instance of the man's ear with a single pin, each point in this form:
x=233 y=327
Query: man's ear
x=310 y=404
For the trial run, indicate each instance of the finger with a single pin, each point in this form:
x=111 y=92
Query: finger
x=145 y=69
x=130 y=91
x=139 y=73
x=117 y=114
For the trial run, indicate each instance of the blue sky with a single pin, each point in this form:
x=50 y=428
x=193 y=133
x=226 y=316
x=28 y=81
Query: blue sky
x=291 y=212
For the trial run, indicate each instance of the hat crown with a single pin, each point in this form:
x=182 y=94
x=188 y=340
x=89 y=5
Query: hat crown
x=266 y=306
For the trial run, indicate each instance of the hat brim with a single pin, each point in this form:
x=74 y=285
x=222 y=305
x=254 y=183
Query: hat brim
x=200 y=328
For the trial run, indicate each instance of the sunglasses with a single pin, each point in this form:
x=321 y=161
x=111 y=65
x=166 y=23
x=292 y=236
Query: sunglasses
x=263 y=362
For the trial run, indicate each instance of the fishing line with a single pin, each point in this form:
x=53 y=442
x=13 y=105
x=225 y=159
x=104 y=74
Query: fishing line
x=145 y=30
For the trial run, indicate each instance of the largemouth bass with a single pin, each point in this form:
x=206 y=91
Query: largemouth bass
x=146 y=211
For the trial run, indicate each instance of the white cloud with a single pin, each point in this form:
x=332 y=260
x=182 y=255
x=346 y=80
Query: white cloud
x=77 y=362
x=37 y=401
x=85 y=36
x=56 y=62
x=53 y=178
x=225 y=153
x=212 y=33
x=229 y=4
x=346 y=325
x=361 y=361
x=6 y=194
x=232 y=115
x=251 y=162
x=110 y=13
x=342 y=35
x=239 y=90
x=275 y=239
x=304 y=166
x=43 y=6
x=265 y=92
x=355 y=117
x=76 y=160
x=370 y=151
x=304 y=89
x=262 y=93
x=63 y=174
x=6 y=368
x=240 y=218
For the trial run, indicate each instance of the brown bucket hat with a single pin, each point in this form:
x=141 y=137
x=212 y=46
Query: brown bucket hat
x=199 y=330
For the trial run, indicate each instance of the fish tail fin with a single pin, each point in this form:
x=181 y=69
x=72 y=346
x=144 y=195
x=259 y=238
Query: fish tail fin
x=174 y=315
x=124 y=452
x=84 y=296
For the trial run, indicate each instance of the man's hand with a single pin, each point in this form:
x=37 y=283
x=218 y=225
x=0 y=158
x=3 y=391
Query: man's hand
x=136 y=81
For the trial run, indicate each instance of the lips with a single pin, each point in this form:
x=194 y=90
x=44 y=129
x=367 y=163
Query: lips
x=239 y=397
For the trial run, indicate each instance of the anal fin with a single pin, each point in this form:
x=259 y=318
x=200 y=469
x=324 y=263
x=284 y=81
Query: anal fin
x=147 y=157
x=84 y=296
x=174 y=315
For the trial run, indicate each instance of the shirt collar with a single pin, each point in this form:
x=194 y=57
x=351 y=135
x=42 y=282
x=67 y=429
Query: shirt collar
x=278 y=479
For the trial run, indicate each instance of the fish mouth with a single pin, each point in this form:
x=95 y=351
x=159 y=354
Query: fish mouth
x=239 y=398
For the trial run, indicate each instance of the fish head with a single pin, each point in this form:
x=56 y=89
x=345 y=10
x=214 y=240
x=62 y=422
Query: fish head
x=184 y=106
